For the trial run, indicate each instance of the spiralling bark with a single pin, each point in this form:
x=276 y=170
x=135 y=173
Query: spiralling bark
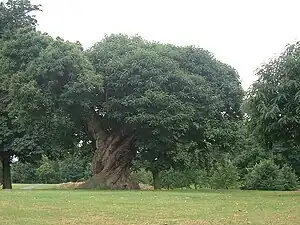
x=112 y=159
x=6 y=172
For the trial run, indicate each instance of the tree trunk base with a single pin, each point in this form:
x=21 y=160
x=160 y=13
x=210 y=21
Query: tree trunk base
x=156 y=180
x=100 y=181
x=111 y=163
x=7 y=184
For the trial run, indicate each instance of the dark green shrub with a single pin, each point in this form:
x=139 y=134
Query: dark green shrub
x=287 y=180
x=225 y=176
x=143 y=176
x=172 y=179
x=268 y=176
x=46 y=173
x=24 y=173
x=71 y=169
x=88 y=171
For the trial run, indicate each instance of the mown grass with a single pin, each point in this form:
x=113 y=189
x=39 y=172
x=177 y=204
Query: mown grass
x=39 y=207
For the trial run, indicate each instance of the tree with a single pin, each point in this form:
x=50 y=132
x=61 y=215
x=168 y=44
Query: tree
x=14 y=14
x=124 y=93
x=47 y=172
x=225 y=176
x=273 y=106
x=163 y=93
x=266 y=175
x=45 y=90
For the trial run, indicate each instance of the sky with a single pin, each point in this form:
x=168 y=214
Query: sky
x=242 y=33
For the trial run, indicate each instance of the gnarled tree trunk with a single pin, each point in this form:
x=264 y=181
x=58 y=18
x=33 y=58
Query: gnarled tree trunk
x=112 y=159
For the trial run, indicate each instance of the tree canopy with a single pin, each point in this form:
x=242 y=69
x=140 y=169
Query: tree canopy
x=13 y=139
x=273 y=106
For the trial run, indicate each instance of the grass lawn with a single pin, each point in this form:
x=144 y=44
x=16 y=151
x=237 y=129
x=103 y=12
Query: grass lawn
x=41 y=207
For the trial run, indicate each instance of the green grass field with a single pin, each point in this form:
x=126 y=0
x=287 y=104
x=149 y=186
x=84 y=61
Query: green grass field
x=37 y=206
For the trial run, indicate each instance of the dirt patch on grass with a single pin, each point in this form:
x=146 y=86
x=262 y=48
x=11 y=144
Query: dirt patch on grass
x=75 y=185
x=146 y=187
x=87 y=220
x=196 y=222
x=69 y=185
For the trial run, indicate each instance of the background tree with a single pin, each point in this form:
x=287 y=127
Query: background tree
x=274 y=105
x=13 y=140
x=54 y=79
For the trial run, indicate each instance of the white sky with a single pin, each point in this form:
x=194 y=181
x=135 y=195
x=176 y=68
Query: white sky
x=242 y=33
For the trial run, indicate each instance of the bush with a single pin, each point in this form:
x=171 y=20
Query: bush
x=268 y=176
x=46 y=173
x=192 y=178
x=88 y=171
x=225 y=176
x=287 y=180
x=172 y=178
x=143 y=176
x=23 y=173
x=71 y=169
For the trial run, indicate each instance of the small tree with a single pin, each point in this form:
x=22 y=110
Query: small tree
x=46 y=173
x=225 y=176
x=287 y=180
x=263 y=176
x=268 y=176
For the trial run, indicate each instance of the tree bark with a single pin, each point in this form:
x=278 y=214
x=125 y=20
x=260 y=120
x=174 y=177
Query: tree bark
x=6 y=172
x=156 y=179
x=112 y=160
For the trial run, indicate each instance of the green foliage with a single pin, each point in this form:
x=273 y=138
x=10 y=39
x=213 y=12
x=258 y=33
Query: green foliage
x=150 y=89
x=24 y=173
x=172 y=179
x=273 y=106
x=181 y=104
x=287 y=180
x=263 y=176
x=143 y=176
x=88 y=171
x=15 y=14
x=268 y=176
x=72 y=169
x=46 y=173
x=225 y=176
x=251 y=154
